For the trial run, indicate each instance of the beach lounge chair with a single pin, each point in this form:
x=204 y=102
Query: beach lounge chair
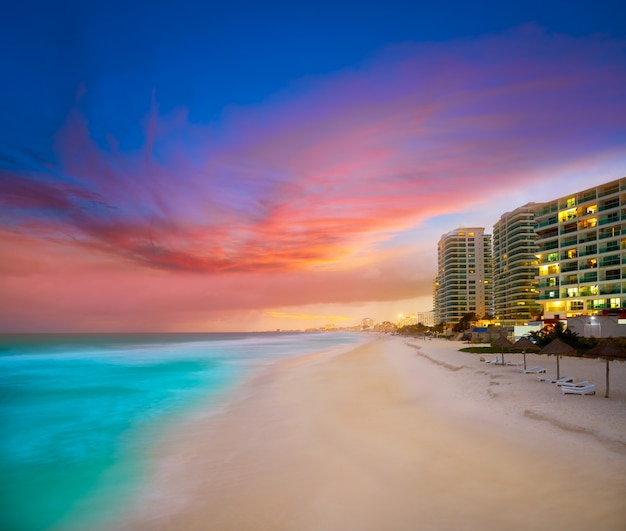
x=587 y=390
x=534 y=370
x=562 y=379
x=573 y=384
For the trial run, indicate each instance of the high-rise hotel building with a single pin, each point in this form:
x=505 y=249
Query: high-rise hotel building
x=464 y=275
x=581 y=250
x=515 y=266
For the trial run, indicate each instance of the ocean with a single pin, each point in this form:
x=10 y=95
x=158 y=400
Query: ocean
x=79 y=412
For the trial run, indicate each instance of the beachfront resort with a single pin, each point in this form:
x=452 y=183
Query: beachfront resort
x=560 y=260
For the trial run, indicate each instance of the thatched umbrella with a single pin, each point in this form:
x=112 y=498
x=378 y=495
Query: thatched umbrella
x=503 y=343
x=524 y=344
x=556 y=347
x=608 y=350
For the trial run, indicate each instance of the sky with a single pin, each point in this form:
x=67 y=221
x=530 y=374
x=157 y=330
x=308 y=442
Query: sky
x=246 y=166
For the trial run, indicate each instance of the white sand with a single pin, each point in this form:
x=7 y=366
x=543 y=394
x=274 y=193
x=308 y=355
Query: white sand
x=394 y=437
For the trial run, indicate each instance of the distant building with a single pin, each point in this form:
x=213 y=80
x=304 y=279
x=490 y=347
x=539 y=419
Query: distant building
x=407 y=320
x=426 y=318
x=464 y=282
x=515 y=266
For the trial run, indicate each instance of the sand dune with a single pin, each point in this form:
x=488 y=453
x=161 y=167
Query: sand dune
x=398 y=435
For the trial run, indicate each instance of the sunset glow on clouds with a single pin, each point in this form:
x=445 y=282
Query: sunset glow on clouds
x=322 y=202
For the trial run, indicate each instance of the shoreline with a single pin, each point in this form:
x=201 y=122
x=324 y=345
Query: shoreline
x=395 y=434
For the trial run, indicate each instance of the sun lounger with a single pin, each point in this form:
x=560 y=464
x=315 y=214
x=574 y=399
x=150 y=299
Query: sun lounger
x=573 y=384
x=534 y=370
x=562 y=379
x=587 y=390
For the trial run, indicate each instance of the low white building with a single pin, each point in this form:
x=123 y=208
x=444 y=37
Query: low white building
x=598 y=325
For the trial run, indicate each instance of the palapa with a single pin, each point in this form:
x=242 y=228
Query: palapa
x=557 y=348
x=503 y=343
x=523 y=344
x=607 y=350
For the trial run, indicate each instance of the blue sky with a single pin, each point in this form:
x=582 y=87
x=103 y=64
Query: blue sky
x=208 y=56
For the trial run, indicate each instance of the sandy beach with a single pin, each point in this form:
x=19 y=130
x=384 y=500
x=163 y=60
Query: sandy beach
x=398 y=435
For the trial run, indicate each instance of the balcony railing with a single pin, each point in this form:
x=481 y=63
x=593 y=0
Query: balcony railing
x=609 y=205
x=587 y=293
x=547 y=296
x=587 y=197
x=614 y=246
x=609 y=221
x=589 y=277
x=608 y=191
x=546 y=285
x=588 y=252
x=609 y=290
x=610 y=260
x=548 y=246
x=588 y=237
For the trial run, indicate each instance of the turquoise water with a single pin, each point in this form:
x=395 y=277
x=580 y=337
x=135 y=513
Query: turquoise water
x=78 y=412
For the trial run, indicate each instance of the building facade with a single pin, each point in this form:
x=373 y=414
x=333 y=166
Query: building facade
x=464 y=282
x=515 y=267
x=581 y=250
x=426 y=318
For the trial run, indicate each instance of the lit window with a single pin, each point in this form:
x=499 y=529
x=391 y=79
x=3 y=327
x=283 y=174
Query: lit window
x=567 y=215
x=571 y=201
x=588 y=223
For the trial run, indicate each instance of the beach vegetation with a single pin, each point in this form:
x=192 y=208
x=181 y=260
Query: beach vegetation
x=465 y=322
x=558 y=330
x=418 y=329
x=487 y=349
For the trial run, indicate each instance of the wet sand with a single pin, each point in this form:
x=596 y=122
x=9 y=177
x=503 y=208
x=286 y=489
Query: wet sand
x=398 y=435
